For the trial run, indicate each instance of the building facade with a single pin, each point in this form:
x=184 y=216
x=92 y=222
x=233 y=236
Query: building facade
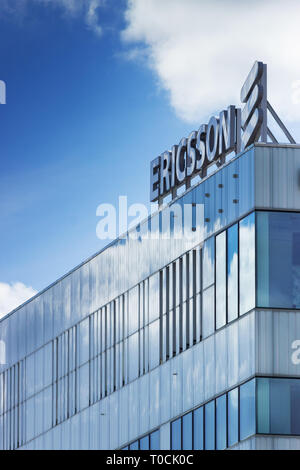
x=171 y=342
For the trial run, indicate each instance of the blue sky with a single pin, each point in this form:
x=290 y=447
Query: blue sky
x=80 y=127
x=95 y=90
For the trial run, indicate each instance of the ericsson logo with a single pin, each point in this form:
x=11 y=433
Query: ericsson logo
x=254 y=95
x=233 y=130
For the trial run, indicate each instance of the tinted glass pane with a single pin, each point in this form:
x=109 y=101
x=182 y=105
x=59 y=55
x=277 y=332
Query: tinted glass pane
x=221 y=280
x=187 y=432
x=278 y=267
x=210 y=426
x=144 y=443
x=208 y=314
x=232 y=272
x=133 y=351
x=221 y=419
x=198 y=429
x=154 y=344
x=208 y=267
x=247 y=409
x=233 y=417
x=176 y=434
x=247 y=263
x=278 y=406
x=154 y=440
x=125 y=448
x=134 y=446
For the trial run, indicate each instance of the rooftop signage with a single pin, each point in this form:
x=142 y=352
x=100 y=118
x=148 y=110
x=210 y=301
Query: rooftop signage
x=233 y=130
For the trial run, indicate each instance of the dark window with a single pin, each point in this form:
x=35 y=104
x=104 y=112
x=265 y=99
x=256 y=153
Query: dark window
x=187 y=432
x=176 y=434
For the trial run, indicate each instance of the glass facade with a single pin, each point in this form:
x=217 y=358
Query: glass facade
x=259 y=406
x=171 y=321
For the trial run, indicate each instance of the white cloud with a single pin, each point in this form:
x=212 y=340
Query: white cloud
x=13 y=295
x=87 y=8
x=202 y=50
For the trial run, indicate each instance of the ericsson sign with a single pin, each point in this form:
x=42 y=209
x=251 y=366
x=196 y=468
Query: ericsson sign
x=232 y=131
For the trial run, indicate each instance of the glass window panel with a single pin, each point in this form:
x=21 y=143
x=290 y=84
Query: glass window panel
x=278 y=406
x=134 y=446
x=83 y=341
x=125 y=448
x=198 y=270
x=154 y=344
x=176 y=434
x=233 y=417
x=133 y=345
x=210 y=426
x=247 y=409
x=208 y=268
x=208 y=314
x=30 y=418
x=133 y=310
x=198 y=429
x=247 y=263
x=30 y=375
x=187 y=432
x=153 y=297
x=221 y=419
x=278 y=259
x=155 y=440
x=47 y=369
x=144 y=443
x=221 y=280
x=83 y=374
x=232 y=272
x=198 y=317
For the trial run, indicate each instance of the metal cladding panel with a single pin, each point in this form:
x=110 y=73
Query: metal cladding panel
x=247 y=444
x=269 y=443
x=275 y=333
x=277 y=177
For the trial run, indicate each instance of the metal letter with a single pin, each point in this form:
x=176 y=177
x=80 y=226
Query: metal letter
x=212 y=138
x=191 y=153
x=165 y=174
x=252 y=130
x=154 y=179
x=181 y=161
x=200 y=144
x=252 y=103
x=227 y=131
x=253 y=77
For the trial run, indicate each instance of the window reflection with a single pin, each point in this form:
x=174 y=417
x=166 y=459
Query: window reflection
x=210 y=426
x=247 y=409
x=221 y=420
x=221 y=280
x=198 y=429
x=278 y=406
x=233 y=417
x=278 y=260
x=232 y=272
x=247 y=263
x=208 y=271
x=187 y=432
x=176 y=435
